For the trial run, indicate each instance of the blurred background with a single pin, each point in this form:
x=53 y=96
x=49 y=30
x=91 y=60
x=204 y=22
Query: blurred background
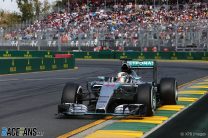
x=95 y=25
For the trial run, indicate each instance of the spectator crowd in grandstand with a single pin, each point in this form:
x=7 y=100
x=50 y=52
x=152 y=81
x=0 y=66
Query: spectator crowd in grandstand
x=116 y=21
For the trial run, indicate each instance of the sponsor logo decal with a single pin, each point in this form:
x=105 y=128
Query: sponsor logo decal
x=21 y=131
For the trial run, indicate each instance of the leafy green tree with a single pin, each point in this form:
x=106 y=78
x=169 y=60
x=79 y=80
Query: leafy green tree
x=59 y=5
x=33 y=8
x=26 y=8
x=46 y=7
x=9 y=19
x=37 y=7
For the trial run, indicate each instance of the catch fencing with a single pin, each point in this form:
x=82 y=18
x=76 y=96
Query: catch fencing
x=188 y=36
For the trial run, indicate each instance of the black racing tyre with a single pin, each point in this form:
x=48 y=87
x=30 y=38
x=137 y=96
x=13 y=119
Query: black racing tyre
x=145 y=95
x=168 y=91
x=72 y=93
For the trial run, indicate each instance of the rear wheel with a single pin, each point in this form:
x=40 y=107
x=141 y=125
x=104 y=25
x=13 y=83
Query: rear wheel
x=168 y=91
x=146 y=95
x=72 y=93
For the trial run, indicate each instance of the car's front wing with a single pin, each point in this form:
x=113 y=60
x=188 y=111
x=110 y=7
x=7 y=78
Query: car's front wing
x=121 y=110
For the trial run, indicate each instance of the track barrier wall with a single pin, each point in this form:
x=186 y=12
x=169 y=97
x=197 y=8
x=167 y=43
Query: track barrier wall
x=143 y=55
x=111 y=55
x=22 y=65
x=30 y=61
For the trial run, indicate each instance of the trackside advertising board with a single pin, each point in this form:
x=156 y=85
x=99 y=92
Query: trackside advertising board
x=22 y=65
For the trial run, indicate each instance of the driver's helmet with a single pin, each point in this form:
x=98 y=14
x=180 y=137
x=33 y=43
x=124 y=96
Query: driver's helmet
x=122 y=77
x=126 y=68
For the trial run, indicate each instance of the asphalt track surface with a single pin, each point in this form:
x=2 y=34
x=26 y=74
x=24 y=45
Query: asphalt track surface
x=30 y=100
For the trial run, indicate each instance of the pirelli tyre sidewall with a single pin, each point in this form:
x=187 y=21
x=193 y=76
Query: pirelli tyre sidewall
x=168 y=91
x=72 y=93
x=145 y=95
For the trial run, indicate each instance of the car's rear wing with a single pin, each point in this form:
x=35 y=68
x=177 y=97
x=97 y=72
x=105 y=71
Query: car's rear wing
x=141 y=64
x=147 y=64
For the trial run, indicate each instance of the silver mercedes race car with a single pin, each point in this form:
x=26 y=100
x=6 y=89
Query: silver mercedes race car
x=127 y=93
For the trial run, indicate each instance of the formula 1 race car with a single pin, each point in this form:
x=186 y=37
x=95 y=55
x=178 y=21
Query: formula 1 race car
x=125 y=94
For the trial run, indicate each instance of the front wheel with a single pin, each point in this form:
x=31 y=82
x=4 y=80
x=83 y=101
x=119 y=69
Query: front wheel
x=72 y=93
x=146 y=95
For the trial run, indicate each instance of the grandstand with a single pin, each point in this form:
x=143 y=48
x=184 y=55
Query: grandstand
x=169 y=25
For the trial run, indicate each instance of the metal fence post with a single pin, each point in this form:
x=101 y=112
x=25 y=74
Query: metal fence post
x=59 y=45
x=79 y=42
x=18 y=47
x=176 y=37
x=1 y=36
x=38 y=46
x=207 y=40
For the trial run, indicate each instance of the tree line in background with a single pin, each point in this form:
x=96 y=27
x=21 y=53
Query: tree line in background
x=29 y=9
